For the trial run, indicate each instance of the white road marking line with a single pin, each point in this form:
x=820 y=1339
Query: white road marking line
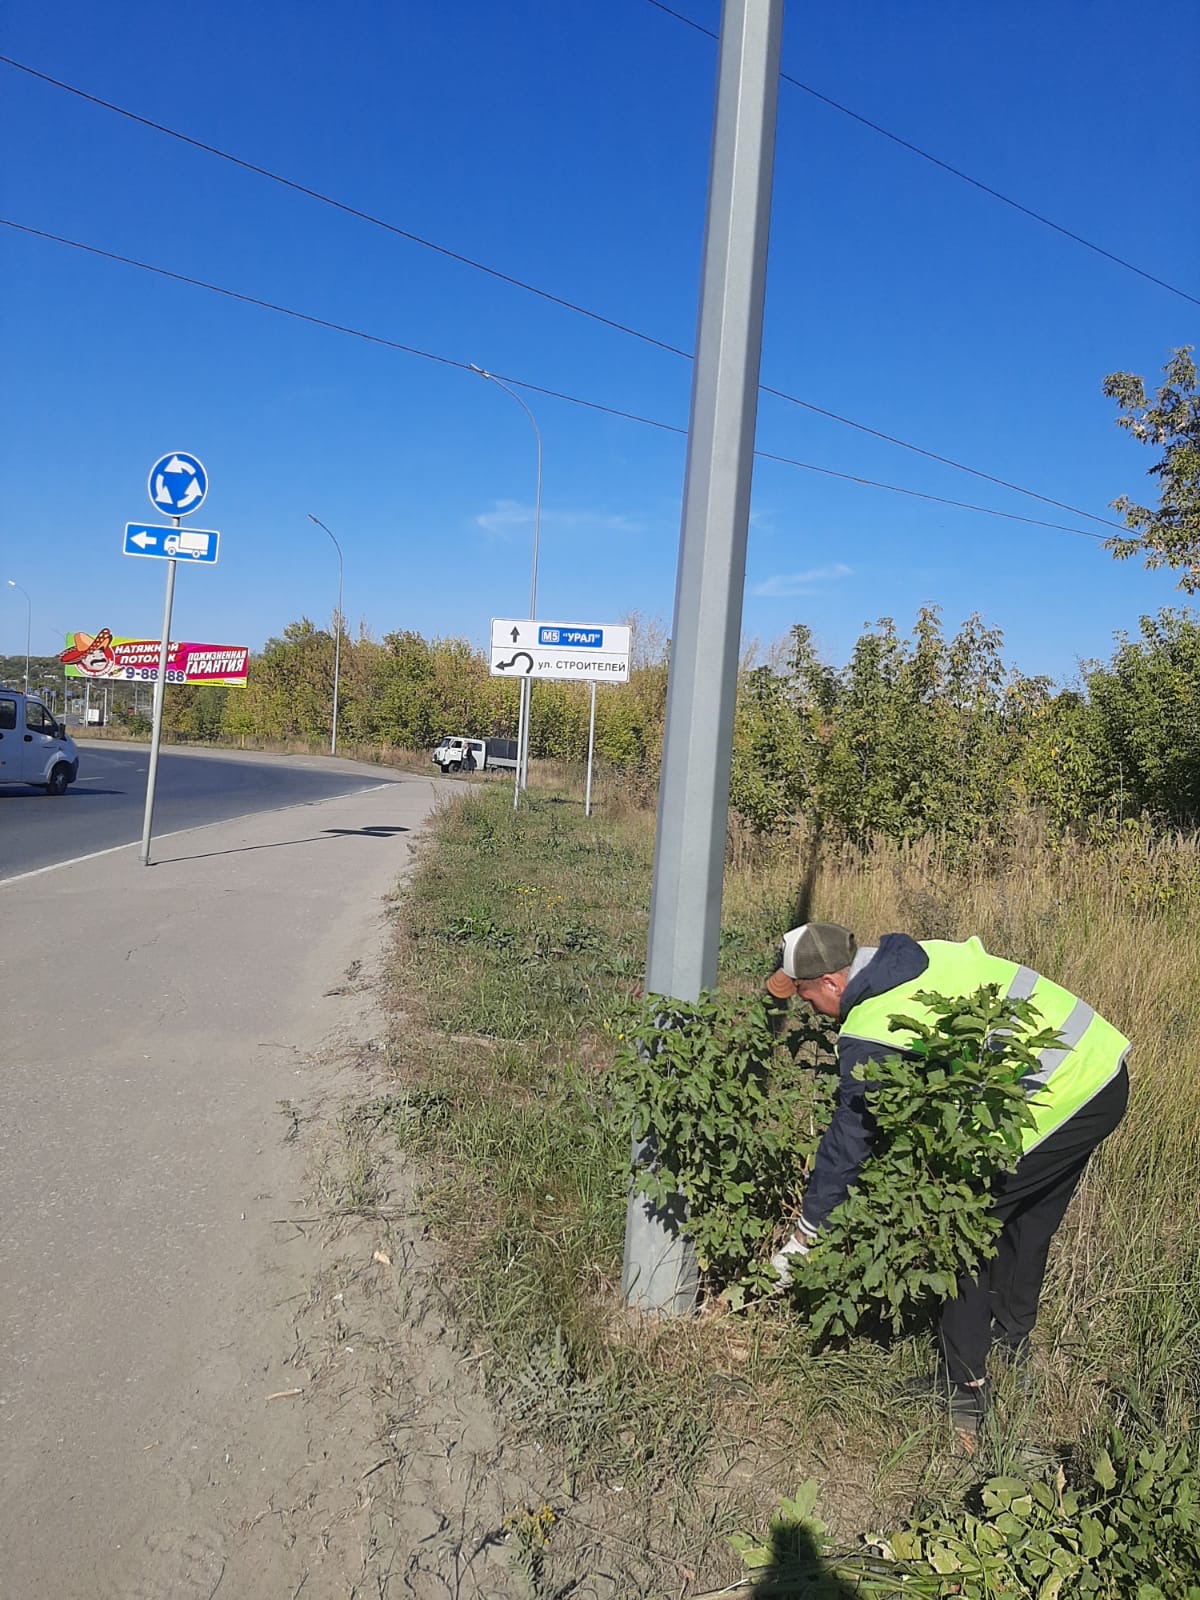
x=94 y=855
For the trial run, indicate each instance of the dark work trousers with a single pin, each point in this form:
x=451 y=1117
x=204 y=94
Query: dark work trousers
x=1030 y=1203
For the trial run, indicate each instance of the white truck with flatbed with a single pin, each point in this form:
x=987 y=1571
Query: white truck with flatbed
x=34 y=747
x=457 y=753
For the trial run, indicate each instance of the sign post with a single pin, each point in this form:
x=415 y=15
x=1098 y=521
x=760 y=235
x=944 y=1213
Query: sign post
x=587 y=793
x=587 y=652
x=160 y=690
x=178 y=485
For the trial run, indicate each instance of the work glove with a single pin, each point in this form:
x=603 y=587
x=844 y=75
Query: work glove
x=787 y=1258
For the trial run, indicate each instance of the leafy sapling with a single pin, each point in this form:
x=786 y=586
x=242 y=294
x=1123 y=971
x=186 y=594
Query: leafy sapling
x=949 y=1119
x=733 y=1117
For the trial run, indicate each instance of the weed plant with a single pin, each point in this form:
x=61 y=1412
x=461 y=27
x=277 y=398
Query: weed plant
x=520 y=939
x=1127 y=1528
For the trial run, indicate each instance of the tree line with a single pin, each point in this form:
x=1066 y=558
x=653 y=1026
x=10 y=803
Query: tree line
x=405 y=692
x=917 y=733
x=929 y=734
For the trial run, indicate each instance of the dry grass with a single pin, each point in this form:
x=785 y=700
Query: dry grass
x=521 y=934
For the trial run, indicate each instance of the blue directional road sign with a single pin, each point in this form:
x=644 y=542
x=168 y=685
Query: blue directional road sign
x=590 y=652
x=177 y=484
x=171 y=544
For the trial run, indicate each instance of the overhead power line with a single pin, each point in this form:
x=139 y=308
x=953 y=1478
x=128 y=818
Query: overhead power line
x=955 y=172
x=534 y=289
x=932 y=455
x=343 y=206
x=523 y=383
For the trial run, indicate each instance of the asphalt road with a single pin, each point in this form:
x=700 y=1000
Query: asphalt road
x=104 y=809
x=166 y=1034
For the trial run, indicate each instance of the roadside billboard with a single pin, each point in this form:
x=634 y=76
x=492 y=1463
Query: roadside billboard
x=132 y=660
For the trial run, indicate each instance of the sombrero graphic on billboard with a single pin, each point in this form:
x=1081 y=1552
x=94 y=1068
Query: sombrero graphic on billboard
x=89 y=655
x=101 y=655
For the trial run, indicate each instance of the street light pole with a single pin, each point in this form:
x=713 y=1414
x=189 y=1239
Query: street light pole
x=661 y=1268
x=28 y=626
x=337 y=638
x=523 y=719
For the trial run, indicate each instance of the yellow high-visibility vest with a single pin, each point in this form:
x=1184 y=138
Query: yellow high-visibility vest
x=1066 y=1078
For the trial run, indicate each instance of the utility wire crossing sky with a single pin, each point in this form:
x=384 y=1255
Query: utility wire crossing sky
x=570 y=305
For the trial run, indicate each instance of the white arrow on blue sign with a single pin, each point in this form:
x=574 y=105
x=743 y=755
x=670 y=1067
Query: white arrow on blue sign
x=171 y=544
x=177 y=484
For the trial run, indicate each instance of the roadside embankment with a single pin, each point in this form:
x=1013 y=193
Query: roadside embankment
x=521 y=937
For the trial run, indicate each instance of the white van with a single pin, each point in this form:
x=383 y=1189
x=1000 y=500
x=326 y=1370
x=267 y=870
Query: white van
x=34 y=748
x=456 y=753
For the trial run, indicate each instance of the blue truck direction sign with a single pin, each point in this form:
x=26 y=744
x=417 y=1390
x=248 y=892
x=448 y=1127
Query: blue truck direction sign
x=171 y=543
x=177 y=484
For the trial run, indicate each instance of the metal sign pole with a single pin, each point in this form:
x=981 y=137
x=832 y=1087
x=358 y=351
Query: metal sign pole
x=527 y=693
x=520 y=743
x=160 y=690
x=587 y=793
x=660 y=1270
x=337 y=662
x=523 y=719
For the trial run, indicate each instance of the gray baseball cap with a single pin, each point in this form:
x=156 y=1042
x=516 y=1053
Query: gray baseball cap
x=810 y=951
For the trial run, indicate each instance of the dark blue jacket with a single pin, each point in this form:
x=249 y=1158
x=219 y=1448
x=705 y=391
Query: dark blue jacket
x=848 y=1138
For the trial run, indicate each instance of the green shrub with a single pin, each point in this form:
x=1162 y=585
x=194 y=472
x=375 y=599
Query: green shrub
x=735 y=1121
x=1128 y=1529
x=948 y=1121
x=730 y=1116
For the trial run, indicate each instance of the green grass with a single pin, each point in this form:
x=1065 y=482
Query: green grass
x=521 y=937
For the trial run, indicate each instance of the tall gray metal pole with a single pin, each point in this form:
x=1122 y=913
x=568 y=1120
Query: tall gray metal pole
x=12 y=584
x=160 y=690
x=337 y=639
x=693 y=802
x=522 y=780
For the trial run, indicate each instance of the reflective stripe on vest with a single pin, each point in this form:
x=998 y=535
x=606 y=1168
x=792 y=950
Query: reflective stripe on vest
x=1066 y=1077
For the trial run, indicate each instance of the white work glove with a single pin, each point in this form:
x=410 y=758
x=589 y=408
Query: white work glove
x=785 y=1259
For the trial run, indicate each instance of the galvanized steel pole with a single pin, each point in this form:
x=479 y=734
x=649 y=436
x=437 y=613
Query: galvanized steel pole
x=160 y=690
x=522 y=779
x=660 y=1272
x=13 y=584
x=337 y=643
x=587 y=793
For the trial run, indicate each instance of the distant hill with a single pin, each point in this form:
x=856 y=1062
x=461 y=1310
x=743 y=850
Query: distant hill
x=45 y=672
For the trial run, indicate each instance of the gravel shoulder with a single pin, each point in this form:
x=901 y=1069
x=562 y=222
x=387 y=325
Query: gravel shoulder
x=185 y=1406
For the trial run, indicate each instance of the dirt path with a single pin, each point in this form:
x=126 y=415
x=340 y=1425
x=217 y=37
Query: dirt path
x=196 y=1377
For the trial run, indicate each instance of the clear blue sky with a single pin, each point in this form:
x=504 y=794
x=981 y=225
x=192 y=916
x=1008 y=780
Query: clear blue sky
x=567 y=143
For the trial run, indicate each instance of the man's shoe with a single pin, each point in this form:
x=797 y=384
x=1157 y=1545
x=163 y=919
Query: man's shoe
x=1016 y=1352
x=1016 y=1358
x=967 y=1403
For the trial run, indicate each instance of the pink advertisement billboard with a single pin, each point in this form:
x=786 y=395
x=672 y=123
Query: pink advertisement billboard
x=105 y=655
